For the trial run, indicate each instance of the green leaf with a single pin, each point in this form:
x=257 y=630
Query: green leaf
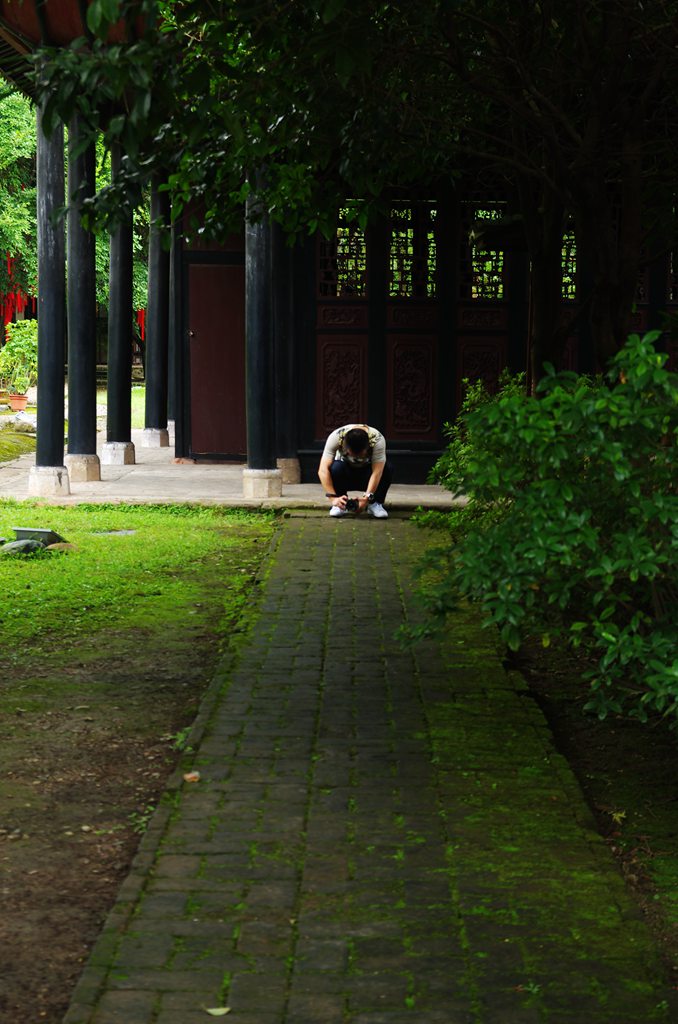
x=116 y=124
x=94 y=17
x=332 y=9
x=345 y=64
x=111 y=9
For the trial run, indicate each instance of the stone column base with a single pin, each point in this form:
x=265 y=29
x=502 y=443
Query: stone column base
x=48 y=482
x=82 y=468
x=171 y=431
x=117 y=453
x=262 y=483
x=155 y=437
x=290 y=469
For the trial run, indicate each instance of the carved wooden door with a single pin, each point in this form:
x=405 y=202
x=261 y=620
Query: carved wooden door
x=482 y=307
x=341 y=329
x=377 y=326
x=412 y=324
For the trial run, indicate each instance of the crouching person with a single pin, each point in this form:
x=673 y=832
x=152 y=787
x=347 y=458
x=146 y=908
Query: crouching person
x=354 y=459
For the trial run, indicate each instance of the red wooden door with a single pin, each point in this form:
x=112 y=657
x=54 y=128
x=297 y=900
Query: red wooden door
x=216 y=324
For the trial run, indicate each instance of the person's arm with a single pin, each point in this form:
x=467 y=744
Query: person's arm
x=373 y=483
x=325 y=478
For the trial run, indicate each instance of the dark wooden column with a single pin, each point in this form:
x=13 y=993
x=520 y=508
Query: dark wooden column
x=180 y=380
x=448 y=300
x=82 y=459
x=377 y=275
x=49 y=475
x=586 y=347
x=172 y=338
x=261 y=478
x=658 y=276
x=119 y=449
x=519 y=309
x=285 y=377
x=304 y=273
x=157 y=324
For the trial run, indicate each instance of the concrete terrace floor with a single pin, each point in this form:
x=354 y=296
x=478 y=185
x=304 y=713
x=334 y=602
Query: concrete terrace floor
x=156 y=477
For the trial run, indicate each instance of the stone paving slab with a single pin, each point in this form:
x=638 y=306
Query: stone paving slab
x=378 y=836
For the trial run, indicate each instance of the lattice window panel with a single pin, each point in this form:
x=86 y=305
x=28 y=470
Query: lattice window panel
x=431 y=254
x=569 y=267
x=413 y=252
x=643 y=286
x=342 y=270
x=672 y=289
x=482 y=270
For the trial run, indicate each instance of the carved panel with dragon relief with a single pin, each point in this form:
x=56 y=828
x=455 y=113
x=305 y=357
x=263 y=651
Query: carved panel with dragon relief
x=411 y=408
x=341 y=386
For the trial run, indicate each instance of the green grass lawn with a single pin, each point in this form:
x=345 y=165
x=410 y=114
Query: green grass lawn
x=13 y=445
x=129 y=567
x=107 y=652
x=138 y=404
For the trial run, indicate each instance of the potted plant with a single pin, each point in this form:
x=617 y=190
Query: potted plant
x=19 y=361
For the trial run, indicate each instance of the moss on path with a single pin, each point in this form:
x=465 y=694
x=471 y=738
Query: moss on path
x=376 y=835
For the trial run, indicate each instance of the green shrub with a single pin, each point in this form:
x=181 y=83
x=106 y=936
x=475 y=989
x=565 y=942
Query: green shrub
x=19 y=356
x=571 y=528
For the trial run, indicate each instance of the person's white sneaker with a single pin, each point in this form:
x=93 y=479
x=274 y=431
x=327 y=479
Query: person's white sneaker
x=336 y=510
x=377 y=510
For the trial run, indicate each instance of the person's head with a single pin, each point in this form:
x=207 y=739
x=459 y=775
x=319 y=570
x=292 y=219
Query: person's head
x=356 y=441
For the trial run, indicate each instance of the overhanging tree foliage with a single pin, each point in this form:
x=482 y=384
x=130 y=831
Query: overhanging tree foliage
x=565 y=110
x=18 y=254
x=18 y=248
x=141 y=218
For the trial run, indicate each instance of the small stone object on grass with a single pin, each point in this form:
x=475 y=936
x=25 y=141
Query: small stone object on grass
x=21 y=547
x=22 y=423
x=44 y=536
x=23 y=426
x=32 y=539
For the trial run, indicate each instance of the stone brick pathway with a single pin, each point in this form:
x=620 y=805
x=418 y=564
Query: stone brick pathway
x=378 y=836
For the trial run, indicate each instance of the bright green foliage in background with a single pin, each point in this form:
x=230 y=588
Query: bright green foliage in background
x=19 y=356
x=17 y=193
x=572 y=524
x=18 y=229
x=141 y=220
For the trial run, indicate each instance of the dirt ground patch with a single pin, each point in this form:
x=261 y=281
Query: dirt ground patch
x=87 y=751
x=628 y=772
x=80 y=779
x=88 y=741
